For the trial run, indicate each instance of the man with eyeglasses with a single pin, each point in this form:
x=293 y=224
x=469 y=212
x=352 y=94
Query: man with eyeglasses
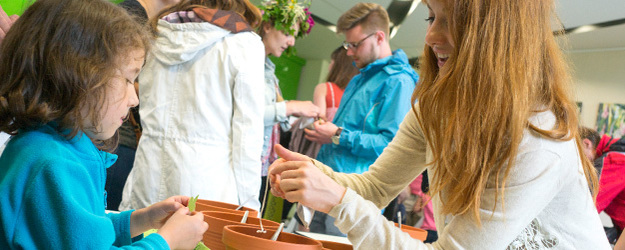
x=374 y=102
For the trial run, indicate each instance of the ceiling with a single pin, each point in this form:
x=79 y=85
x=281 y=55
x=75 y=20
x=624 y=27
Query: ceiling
x=320 y=43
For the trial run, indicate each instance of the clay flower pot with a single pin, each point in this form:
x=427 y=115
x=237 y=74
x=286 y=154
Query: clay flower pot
x=246 y=237
x=331 y=245
x=415 y=233
x=208 y=205
x=218 y=220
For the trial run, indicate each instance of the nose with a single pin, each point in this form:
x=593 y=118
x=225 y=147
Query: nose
x=133 y=99
x=291 y=41
x=350 y=51
x=434 y=34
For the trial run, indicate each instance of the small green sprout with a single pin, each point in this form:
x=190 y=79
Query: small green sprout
x=200 y=246
x=192 y=203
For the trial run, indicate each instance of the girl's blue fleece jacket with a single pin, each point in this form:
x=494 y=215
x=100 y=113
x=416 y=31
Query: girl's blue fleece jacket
x=52 y=196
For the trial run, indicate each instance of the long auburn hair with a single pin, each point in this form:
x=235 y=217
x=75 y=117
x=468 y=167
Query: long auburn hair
x=505 y=67
x=57 y=61
x=245 y=8
x=343 y=69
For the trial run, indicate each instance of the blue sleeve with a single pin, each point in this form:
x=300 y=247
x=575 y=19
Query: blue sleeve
x=121 y=225
x=393 y=107
x=63 y=208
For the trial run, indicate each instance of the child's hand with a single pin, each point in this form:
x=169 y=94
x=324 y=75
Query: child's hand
x=159 y=213
x=182 y=231
x=155 y=216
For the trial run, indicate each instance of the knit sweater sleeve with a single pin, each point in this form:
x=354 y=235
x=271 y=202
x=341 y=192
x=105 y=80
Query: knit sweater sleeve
x=400 y=163
x=540 y=173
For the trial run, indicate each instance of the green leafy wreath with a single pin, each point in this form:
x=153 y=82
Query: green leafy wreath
x=285 y=14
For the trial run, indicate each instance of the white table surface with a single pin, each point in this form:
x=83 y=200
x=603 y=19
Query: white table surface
x=318 y=236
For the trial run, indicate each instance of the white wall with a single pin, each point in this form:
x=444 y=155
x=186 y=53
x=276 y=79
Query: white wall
x=598 y=76
x=314 y=72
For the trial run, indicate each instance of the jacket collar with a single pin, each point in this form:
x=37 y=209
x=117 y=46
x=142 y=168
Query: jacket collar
x=398 y=57
x=82 y=144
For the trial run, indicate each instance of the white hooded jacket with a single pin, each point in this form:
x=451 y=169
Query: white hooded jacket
x=202 y=107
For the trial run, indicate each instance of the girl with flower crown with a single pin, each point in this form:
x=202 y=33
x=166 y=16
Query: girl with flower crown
x=283 y=22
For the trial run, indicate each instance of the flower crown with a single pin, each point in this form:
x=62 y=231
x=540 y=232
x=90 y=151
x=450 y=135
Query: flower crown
x=285 y=14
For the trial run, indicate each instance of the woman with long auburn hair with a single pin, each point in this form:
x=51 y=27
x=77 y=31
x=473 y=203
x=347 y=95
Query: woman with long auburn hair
x=497 y=130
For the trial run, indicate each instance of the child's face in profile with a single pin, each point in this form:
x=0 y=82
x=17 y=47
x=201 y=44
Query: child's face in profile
x=120 y=96
x=438 y=36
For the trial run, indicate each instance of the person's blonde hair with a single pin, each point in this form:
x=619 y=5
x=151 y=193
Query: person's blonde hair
x=505 y=67
x=370 y=16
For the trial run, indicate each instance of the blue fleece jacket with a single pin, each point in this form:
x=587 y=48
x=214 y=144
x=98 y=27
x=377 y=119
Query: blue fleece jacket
x=373 y=105
x=52 y=196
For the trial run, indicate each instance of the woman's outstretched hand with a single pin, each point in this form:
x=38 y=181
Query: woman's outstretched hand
x=294 y=178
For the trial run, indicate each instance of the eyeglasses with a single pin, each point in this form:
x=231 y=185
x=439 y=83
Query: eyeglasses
x=355 y=45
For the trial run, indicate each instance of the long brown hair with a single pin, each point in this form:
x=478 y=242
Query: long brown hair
x=505 y=67
x=58 y=59
x=343 y=69
x=247 y=10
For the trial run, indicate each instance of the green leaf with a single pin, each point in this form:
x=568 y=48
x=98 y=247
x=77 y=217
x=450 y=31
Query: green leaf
x=192 y=201
x=201 y=246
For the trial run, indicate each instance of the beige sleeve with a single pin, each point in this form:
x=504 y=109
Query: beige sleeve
x=367 y=228
x=398 y=165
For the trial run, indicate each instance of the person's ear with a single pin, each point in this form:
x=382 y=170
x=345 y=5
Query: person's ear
x=380 y=36
x=587 y=143
x=266 y=27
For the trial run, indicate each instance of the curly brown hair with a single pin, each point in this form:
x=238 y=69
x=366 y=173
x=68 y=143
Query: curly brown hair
x=56 y=63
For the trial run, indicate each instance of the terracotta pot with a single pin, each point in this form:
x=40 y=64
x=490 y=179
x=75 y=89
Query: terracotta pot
x=415 y=233
x=247 y=237
x=218 y=220
x=208 y=205
x=331 y=245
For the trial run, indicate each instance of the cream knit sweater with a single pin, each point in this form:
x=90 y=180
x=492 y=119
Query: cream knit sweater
x=547 y=200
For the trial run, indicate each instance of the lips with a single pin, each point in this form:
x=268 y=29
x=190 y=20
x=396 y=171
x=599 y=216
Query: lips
x=442 y=59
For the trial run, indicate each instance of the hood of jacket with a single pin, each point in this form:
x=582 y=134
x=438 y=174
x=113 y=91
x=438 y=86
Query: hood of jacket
x=178 y=43
x=393 y=64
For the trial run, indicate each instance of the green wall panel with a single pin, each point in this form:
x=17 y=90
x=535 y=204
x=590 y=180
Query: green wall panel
x=288 y=72
x=17 y=7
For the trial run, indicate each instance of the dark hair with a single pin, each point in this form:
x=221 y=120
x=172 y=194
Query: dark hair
x=343 y=69
x=590 y=134
x=247 y=10
x=57 y=60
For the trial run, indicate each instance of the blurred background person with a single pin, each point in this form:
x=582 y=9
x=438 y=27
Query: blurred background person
x=327 y=96
x=608 y=156
x=201 y=113
x=284 y=21
x=374 y=102
x=130 y=131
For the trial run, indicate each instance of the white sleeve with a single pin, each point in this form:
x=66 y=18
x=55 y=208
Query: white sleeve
x=247 y=117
